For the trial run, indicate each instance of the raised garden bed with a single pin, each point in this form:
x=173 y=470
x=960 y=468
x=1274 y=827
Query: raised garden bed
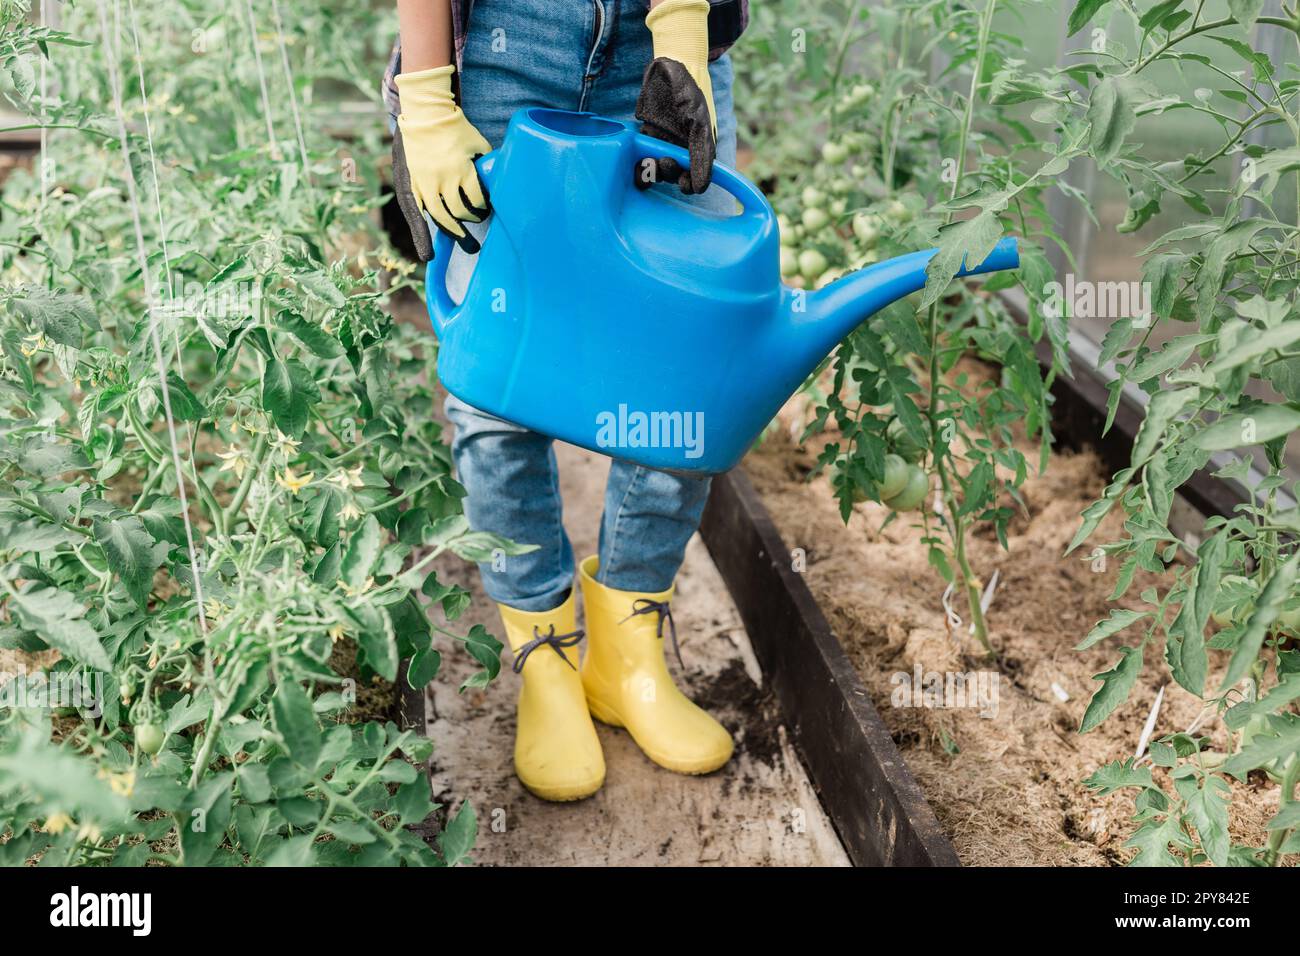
x=875 y=803
x=844 y=638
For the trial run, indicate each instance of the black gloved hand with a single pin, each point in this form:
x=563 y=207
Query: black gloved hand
x=672 y=107
x=411 y=211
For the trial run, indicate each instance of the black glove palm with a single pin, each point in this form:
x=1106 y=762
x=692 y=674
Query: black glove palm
x=672 y=107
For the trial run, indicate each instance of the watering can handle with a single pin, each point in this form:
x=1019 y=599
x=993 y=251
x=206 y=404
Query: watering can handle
x=441 y=308
x=745 y=192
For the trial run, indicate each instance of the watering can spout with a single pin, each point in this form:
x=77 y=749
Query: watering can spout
x=846 y=303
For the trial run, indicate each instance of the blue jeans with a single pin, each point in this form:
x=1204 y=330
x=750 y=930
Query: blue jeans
x=573 y=55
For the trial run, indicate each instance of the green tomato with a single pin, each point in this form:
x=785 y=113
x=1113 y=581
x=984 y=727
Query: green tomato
x=913 y=494
x=867 y=228
x=903 y=443
x=149 y=738
x=815 y=219
x=789 y=261
x=834 y=152
x=897 y=211
x=838 y=206
x=855 y=142
x=896 y=475
x=841 y=186
x=1221 y=618
x=812 y=263
x=812 y=196
x=860 y=93
x=1228 y=616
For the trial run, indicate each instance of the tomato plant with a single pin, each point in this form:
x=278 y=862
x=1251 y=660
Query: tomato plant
x=1216 y=355
x=222 y=485
x=1218 y=360
x=869 y=157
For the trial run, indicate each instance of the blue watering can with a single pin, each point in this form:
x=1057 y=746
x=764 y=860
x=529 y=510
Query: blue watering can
x=627 y=321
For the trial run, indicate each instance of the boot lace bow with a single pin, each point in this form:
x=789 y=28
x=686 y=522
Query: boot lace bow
x=557 y=643
x=648 y=606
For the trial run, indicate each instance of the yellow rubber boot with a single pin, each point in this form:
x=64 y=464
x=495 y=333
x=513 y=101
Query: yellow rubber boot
x=557 y=754
x=628 y=684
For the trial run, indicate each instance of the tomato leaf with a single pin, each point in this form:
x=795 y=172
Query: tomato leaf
x=1262 y=423
x=1207 y=808
x=1271 y=600
x=1117 y=775
x=457 y=838
x=963 y=244
x=185 y=405
x=59 y=620
x=1119 y=619
x=321 y=515
x=131 y=552
x=423 y=668
x=1280 y=740
x=377 y=641
x=1185 y=645
x=1082 y=13
x=288 y=392
x=1111 y=116
x=1287 y=690
x=1152 y=841
x=61 y=316
x=296 y=723
x=1116 y=685
x=362 y=552
x=485 y=649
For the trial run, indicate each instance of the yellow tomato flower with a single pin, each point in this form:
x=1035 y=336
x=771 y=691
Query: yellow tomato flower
x=58 y=823
x=346 y=479
x=284 y=444
x=122 y=783
x=294 y=483
x=350 y=510
x=88 y=831
x=234 y=459
x=353 y=592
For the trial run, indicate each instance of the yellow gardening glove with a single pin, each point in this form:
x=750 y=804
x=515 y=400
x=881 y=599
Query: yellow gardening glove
x=440 y=145
x=680 y=29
